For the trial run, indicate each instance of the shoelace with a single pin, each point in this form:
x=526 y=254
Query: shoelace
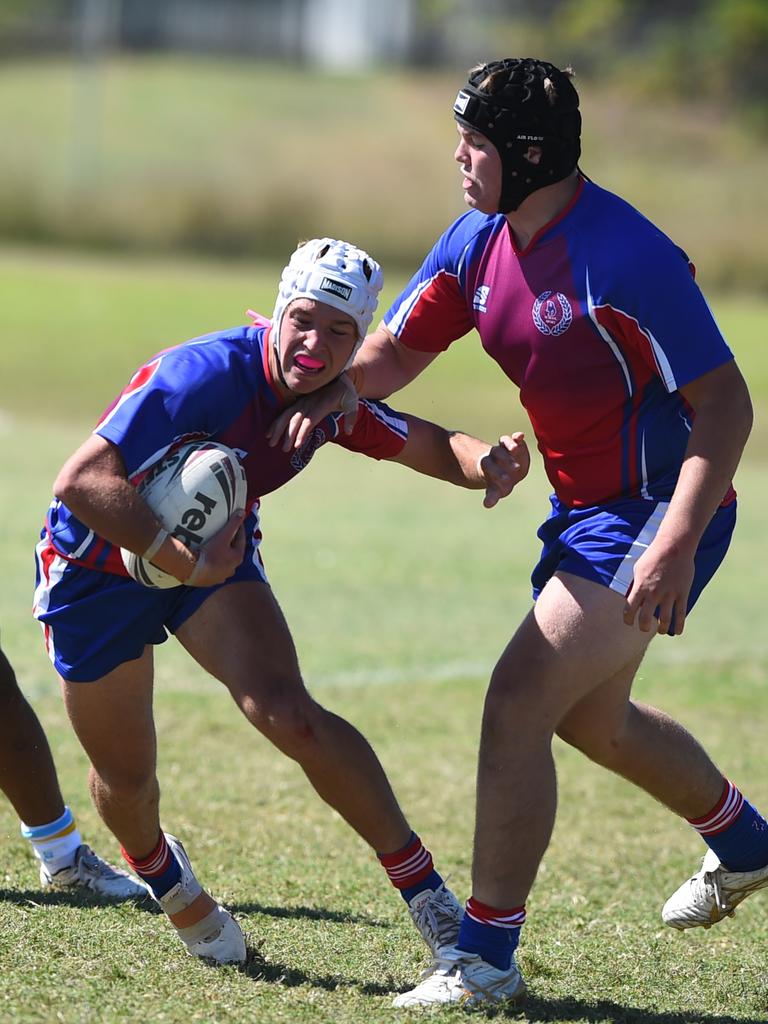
x=712 y=878
x=437 y=917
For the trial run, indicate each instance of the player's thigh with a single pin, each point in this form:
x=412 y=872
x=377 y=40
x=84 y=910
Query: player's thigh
x=572 y=642
x=113 y=720
x=239 y=635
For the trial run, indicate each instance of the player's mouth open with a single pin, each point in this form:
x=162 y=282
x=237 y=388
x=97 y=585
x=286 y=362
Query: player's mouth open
x=308 y=363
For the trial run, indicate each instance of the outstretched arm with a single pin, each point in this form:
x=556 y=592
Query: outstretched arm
x=664 y=573
x=94 y=485
x=383 y=365
x=465 y=460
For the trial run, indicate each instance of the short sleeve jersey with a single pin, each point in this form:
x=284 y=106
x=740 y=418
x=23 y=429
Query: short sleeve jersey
x=217 y=386
x=598 y=321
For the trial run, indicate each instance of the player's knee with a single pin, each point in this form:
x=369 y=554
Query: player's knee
x=126 y=786
x=516 y=698
x=603 y=748
x=287 y=719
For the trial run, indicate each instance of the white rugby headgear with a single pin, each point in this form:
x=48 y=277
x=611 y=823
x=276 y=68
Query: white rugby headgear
x=334 y=272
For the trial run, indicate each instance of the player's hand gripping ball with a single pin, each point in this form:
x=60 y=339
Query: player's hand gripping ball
x=193 y=490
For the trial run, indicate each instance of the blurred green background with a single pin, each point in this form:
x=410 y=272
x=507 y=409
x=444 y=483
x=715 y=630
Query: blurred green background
x=233 y=127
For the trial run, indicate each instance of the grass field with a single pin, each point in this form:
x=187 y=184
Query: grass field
x=400 y=593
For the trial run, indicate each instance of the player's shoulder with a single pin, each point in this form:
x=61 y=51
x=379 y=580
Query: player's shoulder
x=614 y=220
x=468 y=233
x=623 y=241
x=222 y=349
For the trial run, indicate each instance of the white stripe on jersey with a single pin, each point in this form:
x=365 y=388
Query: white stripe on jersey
x=42 y=596
x=395 y=423
x=622 y=580
x=607 y=338
x=662 y=363
x=406 y=307
x=643 y=470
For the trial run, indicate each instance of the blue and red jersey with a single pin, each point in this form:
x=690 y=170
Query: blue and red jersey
x=217 y=386
x=599 y=322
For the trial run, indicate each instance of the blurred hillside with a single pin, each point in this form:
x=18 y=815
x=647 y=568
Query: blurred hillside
x=175 y=137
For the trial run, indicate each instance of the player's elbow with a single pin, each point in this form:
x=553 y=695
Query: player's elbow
x=66 y=485
x=72 y=483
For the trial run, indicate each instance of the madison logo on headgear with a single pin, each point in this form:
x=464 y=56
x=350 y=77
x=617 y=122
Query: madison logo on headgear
x=552 y=313
x=336 y=288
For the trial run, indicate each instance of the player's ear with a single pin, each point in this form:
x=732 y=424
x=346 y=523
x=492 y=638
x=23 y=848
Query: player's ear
x=533 y=154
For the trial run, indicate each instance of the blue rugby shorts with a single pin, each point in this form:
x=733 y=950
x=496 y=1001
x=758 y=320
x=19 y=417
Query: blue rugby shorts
x=93 y=621
x=602 y=543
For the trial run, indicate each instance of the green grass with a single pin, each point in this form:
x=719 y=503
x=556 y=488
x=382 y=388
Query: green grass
x=400 y=593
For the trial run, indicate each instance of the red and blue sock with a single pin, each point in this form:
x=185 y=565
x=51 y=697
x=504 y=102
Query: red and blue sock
x=490 y=932
x=410 y=869
x=159 y=869
x=735 y=830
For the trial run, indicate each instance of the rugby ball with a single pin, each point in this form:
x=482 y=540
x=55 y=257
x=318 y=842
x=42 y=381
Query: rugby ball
x=193 y=490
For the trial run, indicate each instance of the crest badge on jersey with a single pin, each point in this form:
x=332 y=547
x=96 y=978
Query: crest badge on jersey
x=552 y=313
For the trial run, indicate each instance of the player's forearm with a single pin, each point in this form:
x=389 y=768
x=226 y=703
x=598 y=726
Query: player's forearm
x=443 y=454
x=94 y=487
x=719 y=433
x=383 y=365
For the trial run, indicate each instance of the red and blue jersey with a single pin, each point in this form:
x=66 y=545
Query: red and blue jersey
x=217 y=386
x=598 y=321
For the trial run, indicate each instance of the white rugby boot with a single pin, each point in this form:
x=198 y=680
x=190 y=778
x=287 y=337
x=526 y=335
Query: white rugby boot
x=437 y=914
x=711 y=894
x=218 y=936
x=463 y=978
x=88 y=871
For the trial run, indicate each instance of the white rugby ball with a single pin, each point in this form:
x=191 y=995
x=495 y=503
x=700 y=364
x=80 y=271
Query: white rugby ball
x=193 y=490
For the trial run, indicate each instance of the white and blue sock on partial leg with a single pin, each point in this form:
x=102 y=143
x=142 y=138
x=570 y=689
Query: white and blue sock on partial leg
x=55 y=843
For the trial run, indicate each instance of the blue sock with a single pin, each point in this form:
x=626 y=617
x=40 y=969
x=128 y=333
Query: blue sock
x=159 y=869
x=493 y=943
x=432 y=881
x=744 y=845
x=735 y=831
x=410 y=869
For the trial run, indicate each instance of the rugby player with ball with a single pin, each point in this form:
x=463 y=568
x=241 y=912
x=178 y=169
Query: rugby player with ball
x=154 y=528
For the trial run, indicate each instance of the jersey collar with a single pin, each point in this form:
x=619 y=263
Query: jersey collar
x=550 y=224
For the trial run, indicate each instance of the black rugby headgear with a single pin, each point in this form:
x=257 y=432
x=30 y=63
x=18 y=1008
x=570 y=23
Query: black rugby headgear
x=526 y=102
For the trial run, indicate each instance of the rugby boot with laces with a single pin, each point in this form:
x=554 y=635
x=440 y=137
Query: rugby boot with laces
x=711 y=894
x=437 y=915
x=89 y=871
x=466 y=979
x=217 y=936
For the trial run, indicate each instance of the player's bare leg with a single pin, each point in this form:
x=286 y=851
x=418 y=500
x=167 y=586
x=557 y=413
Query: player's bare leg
x=240 y=636
x=27 y=772
x=113 y=720
x=573 y=637
x=28 y=778
x=644 y=746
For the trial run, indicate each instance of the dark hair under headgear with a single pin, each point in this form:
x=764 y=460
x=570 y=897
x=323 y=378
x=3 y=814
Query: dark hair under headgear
x=518 y=103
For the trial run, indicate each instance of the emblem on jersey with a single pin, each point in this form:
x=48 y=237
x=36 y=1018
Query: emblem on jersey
x=481 y=297
x=300 y=459
x=552 y=313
